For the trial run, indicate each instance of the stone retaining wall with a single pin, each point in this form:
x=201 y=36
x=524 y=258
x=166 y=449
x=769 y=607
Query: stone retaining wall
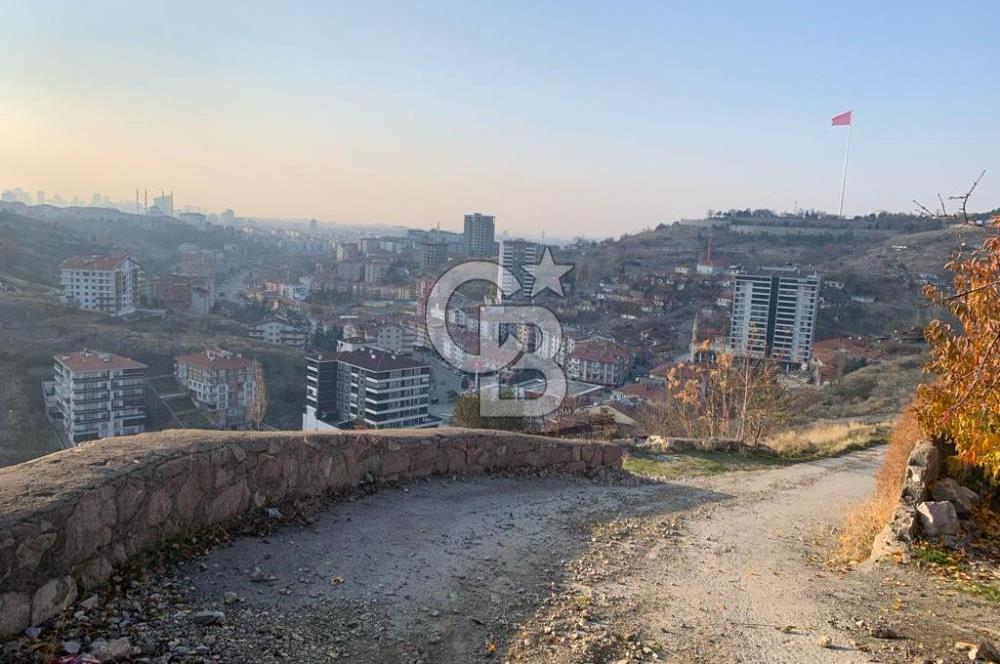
x=923 y=469
x=68 y=519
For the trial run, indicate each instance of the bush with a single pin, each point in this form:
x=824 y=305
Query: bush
x=962 y=405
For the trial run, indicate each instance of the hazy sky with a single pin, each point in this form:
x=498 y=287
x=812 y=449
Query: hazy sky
x=573 y=117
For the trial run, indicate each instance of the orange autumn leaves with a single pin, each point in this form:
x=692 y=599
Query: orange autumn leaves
x=963 y=403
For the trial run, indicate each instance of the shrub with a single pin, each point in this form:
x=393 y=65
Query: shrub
x=963 y=404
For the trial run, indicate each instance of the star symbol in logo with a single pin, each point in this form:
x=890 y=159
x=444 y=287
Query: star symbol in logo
x=548 y=274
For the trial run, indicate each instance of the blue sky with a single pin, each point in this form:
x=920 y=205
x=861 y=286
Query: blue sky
x=592 y=118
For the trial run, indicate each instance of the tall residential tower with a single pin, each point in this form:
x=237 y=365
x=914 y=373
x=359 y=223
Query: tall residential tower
x=774 y=315
x=479 y=230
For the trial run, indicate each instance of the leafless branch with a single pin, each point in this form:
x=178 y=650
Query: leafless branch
x=958 y=296
x=965 y=197
x=923 y=209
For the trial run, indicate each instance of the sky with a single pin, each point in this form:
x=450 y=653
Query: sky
x=577 y=118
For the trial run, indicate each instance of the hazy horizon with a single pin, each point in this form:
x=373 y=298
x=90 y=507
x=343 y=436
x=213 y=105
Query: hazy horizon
x=592 y=122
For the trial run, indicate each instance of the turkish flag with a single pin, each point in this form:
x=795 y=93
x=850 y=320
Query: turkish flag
x=842 y=119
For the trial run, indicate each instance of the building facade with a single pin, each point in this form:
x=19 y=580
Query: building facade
x=514 y=255
x=96 y=395
x=774 y=316
x=280 y=332
x=598 y=363
x=221 y=383
x=366 y=388
x=106 y=284
x=478 y=235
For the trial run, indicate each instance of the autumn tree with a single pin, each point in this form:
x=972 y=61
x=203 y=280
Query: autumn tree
x=962 y=405
x=736 y=398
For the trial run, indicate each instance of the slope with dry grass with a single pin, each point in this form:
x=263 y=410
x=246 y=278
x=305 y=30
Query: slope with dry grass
x=865 y=521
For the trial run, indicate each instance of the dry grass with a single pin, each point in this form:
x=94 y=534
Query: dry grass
x=865 y=521
x=825 y=439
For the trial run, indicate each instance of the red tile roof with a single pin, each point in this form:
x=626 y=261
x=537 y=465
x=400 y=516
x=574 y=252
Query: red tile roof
x=94 y=262
x=214 y=359
x=607 y=354
x=96 y=361
x=644 y=391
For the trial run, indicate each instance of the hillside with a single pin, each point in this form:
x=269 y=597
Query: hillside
x=32 y=248
x=891 y=265
x=34 y=327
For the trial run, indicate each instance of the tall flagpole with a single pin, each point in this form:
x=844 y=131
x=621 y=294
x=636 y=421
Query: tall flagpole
x=843 y=179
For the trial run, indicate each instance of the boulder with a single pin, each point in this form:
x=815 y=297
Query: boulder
x=15 y=612
x=985 y=651
x=923 y=469
x=110 y=651
x=963 y=498
x=938 y=518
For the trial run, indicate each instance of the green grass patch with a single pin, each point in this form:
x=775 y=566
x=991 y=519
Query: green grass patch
x=928 y=552
x=986 y=591
x=696 y=464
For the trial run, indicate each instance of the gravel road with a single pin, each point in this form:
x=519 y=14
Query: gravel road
x=441 y=570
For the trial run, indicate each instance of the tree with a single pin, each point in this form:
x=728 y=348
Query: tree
x=257 y=405
x=734 y=398
x=962 y=405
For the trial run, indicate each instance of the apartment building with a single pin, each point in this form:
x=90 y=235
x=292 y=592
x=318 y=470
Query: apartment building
x=280 y=332
x=774 y=316
x=106 y=284
x=599 y=363
x=514 y=255
x=478 y=235
x=366 y=388
x=97 y=395
x=221 y=383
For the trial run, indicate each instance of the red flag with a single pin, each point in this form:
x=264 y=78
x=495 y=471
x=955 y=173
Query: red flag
x=842 y=119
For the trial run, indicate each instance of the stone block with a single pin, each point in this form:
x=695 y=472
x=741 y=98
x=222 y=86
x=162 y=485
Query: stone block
x=938 y=518
x=963 y=498
x=54 y=597
x=15 y=613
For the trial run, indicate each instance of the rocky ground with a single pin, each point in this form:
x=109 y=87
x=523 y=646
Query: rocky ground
x=729 y=568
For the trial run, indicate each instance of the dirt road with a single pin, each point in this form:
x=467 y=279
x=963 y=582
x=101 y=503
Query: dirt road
x=445 y=570
x=724 y=568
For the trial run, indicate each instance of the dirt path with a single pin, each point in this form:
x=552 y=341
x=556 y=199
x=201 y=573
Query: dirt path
x=560 y=570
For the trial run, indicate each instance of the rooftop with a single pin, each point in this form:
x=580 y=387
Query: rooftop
x=371 y=359
x=96 y=361
x=214 y=359
x=94 y=262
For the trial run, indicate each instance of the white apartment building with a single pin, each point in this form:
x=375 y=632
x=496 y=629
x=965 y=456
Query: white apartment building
x=280 y=332
x=774 y=315
x=97 y=395
x=107 y=284
x=221 y=383
x=514 y=255
x=395 y=338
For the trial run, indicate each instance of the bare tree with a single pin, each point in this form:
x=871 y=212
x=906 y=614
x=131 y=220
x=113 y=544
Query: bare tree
x=735 y=398
x=257 y=404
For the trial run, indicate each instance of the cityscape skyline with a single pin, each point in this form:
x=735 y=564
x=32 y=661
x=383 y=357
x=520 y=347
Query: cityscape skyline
x=572 y=123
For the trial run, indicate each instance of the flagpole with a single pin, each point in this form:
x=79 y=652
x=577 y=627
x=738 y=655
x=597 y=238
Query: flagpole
x=843 y=179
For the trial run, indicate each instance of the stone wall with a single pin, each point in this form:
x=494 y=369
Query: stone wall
x=68 y=519
x=923 y=469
